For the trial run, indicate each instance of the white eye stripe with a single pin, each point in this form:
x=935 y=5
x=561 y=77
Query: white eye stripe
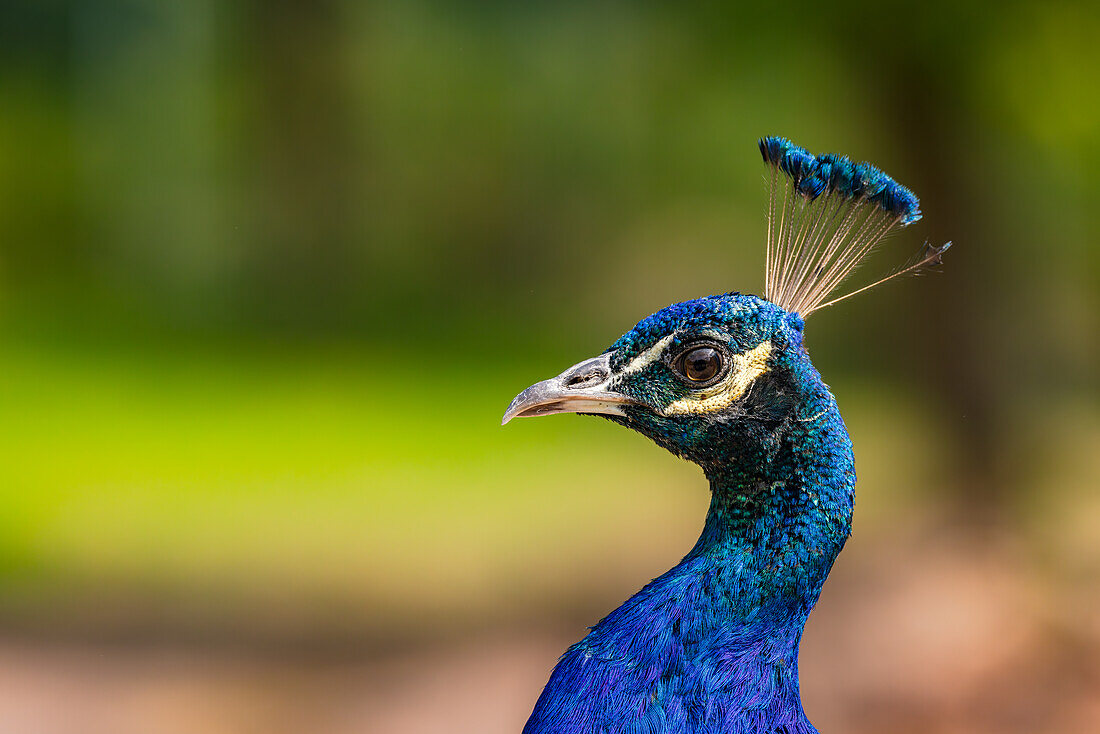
x=648 y=357
x=746 y=368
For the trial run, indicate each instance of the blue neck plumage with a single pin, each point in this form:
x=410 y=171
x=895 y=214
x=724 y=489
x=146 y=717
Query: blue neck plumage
x=780 y=513
x=712 y=644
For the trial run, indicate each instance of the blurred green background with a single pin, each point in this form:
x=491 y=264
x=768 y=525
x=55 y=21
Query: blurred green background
x=271 y=271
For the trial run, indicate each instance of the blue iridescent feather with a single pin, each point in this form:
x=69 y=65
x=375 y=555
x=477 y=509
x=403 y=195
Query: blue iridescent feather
x=813 y=175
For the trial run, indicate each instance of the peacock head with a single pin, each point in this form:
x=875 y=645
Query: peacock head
x=704 y=378
x=718 y=378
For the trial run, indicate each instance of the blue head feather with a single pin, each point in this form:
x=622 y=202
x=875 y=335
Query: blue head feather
x=813 y=175
x=773 y=148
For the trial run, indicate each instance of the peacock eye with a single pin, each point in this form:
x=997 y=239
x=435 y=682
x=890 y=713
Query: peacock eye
x=700 y=364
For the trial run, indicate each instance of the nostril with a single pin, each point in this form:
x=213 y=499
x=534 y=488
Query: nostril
x=586 y=378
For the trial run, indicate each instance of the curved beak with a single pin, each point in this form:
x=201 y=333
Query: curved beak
x=580 y=389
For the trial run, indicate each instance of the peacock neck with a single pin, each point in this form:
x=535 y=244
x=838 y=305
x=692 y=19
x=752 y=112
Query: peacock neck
x=712 y=644
x=780 y=512
x=771 y=535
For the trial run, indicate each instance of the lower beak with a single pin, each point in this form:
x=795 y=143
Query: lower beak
x=580 y=389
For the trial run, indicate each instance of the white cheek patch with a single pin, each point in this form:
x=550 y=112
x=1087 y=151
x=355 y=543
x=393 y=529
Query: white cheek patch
x=648 y=357
x=745 y=369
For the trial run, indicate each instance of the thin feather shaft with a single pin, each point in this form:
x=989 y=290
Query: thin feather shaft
x=797 y=206
x=847 y=254
x=841 y=243
x=809 y=266
x=811 y=222
x=784 y=223
x=797 y=242
x=769 y=265
x=851 y=261
x=933 y=258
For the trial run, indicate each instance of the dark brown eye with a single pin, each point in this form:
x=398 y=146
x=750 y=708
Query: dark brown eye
x=701 y=364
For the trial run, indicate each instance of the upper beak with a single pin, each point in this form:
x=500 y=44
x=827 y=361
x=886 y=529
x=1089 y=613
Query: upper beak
x=580 y=389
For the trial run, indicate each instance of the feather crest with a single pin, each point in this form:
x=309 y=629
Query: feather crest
x=826 y=213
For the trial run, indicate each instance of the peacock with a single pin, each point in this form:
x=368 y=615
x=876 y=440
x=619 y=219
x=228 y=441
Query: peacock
x=725 y=381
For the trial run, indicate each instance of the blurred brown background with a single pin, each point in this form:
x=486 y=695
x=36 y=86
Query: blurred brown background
x=271 y=271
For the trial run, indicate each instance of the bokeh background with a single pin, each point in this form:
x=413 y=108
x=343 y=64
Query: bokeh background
x=271 y=271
